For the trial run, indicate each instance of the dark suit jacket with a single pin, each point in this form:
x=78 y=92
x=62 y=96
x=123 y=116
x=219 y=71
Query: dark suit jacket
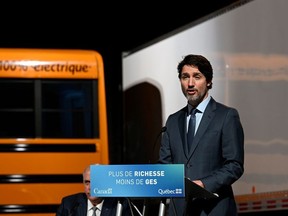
x=76 y=205
x=216 y=158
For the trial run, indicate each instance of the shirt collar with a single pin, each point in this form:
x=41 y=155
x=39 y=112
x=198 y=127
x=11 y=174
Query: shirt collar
x=99 y=206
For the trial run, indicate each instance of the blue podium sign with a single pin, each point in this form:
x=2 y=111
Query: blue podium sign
x=145 y=180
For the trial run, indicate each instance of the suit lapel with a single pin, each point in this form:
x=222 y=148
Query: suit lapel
x=109 y=207
x=82 y=209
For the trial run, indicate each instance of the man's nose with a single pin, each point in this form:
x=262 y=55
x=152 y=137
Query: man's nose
x=191 y=81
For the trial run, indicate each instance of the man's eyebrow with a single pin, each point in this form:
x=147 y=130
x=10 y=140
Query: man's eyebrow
x=87 y=181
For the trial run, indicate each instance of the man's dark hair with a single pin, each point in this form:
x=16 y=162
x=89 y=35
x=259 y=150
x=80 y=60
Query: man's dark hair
x=201 y=63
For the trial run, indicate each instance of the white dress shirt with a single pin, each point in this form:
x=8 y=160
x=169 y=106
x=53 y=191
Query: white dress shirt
x=90 y=208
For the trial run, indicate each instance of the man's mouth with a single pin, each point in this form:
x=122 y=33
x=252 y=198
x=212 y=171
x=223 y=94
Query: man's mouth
x=191 y=91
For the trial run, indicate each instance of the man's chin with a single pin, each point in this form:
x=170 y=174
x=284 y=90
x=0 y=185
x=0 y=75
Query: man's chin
x=191 y=100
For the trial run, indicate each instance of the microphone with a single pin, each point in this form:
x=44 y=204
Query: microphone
x=163 y=129
x=131 y=204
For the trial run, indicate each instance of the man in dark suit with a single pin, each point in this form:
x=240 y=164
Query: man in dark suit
x=82 y=204
x=214 y=159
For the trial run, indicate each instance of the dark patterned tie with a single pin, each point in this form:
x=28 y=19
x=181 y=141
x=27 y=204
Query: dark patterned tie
x=94 y=210
x=191 y=128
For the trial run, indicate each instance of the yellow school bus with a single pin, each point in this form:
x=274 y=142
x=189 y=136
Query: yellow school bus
x=53 y=123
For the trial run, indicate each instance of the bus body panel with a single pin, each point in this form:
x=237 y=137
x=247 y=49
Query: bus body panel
x=37 y=193
x=38 y=63
x=37 y=172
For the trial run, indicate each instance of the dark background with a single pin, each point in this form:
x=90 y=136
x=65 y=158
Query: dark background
x=110 y=28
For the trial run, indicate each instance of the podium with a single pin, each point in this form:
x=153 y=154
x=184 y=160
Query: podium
x=145 y=181
x=192 y=191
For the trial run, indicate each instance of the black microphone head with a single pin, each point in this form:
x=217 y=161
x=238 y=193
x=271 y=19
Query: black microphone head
x=163 y=129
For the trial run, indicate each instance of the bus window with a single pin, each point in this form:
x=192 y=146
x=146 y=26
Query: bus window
x=70 y=105
x=53 y=124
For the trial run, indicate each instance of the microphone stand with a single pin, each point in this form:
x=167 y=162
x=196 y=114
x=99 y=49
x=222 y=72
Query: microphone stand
x=163 y=129
x=162 y=205
x=119 y=208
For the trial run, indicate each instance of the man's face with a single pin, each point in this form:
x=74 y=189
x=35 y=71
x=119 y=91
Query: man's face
x=86 y=179
x=193 y=85
x=87 y=183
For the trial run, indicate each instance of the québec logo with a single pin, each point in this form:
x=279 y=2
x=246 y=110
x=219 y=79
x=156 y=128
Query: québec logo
x=169 y=191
